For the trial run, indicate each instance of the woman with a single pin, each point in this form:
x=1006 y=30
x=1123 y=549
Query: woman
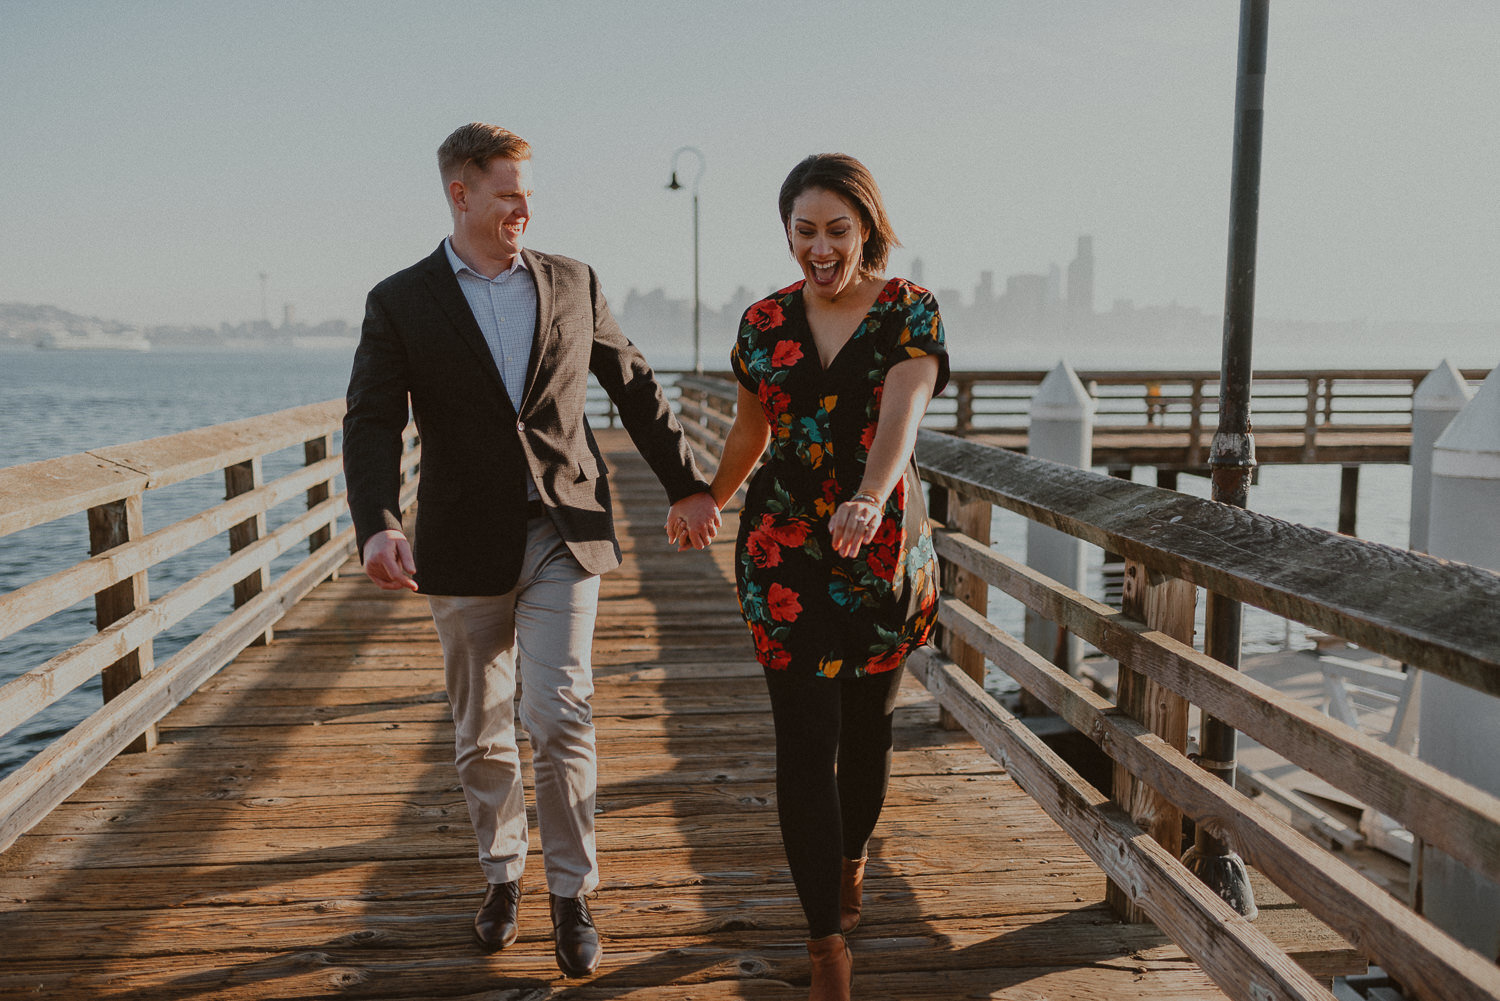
x=835 y=568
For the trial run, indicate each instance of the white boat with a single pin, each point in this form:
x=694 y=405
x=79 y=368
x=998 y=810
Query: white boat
x=94 y=340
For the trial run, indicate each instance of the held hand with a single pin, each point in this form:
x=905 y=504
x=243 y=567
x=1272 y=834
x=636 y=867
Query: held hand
x=853 y=524
x=693 y=522
x=388 y=561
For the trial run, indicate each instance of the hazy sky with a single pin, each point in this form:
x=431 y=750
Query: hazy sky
x=157 y=156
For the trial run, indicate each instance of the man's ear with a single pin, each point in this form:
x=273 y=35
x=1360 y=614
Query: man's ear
x=457 y=195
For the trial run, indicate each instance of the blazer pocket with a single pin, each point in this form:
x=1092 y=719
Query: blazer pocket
x=588 y=469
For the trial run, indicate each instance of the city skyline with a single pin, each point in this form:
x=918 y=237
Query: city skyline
x=1033 y=319
x=161 y=155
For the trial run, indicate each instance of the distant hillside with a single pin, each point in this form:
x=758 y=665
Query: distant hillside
x=26 y=323
x=29 y=323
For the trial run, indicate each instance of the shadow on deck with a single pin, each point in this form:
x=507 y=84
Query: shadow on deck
x=299 y=832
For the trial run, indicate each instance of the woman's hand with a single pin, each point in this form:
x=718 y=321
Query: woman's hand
x=853 y=524
x=693 y=522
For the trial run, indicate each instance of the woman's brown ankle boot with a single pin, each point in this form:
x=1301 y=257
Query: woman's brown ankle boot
x=852 y=893
x=832 y=968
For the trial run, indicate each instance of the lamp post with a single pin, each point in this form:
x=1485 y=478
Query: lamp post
x=674 y=186
x=1232 y=457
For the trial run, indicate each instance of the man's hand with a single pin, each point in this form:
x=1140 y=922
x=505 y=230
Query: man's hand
x=693 y=521
x=388 y=561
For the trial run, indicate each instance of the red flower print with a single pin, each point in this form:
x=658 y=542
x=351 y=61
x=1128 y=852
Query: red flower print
x=765 y=315
x=773 y=400
x=784 y=603
x=793 y=533
x=886 y=662
x=888 y=294
x=882 y=562
x=786 y=353
x=884 y=551
x=763 y=549
x=769 y=651
x=868 y=437
x=829 y=501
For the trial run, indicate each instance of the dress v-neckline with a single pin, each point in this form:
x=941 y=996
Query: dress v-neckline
x=812 y=338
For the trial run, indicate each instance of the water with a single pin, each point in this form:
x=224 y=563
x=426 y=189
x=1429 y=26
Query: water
x=58 y=403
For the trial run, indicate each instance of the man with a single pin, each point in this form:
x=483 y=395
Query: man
x=493 y=344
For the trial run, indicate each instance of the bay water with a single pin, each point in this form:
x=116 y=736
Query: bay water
x=59 y=403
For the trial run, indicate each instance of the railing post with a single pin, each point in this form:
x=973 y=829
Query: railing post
x=313 y=451
x=1348 y=498
x=1165 y=604
x=242 y=477
x=1457 y=732
x=1195 y=425
x=111 y=525
x=972 y=518
x=1434 y=404
x=1062 y=430
x=963 y=411
x=1310 y=422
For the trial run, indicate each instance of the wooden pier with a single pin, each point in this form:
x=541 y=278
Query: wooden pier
x=298 y=832
x=292 y=824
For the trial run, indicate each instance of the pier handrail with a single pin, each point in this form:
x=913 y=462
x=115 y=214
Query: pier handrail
x=110 y=486
x=1428 y=613
x=1287 y=400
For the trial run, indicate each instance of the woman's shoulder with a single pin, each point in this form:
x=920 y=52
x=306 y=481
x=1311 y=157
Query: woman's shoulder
x=770 y=312
x=904 y=291
x=781 y=295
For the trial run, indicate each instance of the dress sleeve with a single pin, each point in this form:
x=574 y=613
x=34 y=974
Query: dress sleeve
x=738 y=356
x=922 y=334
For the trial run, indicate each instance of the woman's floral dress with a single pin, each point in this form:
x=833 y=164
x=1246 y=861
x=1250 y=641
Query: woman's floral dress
x=810 y=610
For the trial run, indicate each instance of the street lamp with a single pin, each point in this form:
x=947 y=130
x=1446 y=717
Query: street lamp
x=674 y=186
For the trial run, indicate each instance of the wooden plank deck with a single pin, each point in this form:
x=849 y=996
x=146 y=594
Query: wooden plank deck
x=299 y=833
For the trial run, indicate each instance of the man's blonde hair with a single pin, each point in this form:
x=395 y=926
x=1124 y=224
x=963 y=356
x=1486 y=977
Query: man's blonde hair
x=478 y=143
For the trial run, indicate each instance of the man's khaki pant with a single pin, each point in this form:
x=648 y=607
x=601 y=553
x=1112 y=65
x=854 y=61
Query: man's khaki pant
x=543 y=629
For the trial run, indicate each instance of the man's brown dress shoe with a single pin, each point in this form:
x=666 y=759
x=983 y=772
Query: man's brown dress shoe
x=578 y=950
x=495 y=924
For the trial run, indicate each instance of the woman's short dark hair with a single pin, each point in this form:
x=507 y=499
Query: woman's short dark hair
x=852 y=181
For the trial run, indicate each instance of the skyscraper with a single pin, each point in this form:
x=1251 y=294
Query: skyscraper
x=1081 y=279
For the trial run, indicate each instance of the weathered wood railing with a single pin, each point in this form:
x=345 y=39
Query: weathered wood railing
x=1304 y=401
x=1422 y=611
x=112 y=486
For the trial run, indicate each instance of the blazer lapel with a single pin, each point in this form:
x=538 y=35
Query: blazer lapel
x=444 y=288
x=541 y=273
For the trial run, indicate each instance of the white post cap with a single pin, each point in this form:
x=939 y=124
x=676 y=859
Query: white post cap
x=1443 y=389
x=1061 y=397
x=1470 y=447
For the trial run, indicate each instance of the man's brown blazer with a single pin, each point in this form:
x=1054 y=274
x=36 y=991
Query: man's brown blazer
x=420 y=342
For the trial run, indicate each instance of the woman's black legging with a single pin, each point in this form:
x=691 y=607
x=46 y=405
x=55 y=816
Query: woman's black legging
x=833 y=763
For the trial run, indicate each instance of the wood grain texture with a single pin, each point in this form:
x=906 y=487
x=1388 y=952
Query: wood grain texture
x=1234 y=952
x=1414 y=608
x=1431 y=964
x=1165 y=605
x=1463 y=819
x=110 y=526
x=39 y=492
x=299 y=832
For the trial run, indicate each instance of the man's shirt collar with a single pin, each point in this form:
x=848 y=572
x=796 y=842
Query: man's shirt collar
x=458 y=265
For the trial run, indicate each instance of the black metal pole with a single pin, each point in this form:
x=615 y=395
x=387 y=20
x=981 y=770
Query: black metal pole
x=697 y=309
x=1232 y=455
